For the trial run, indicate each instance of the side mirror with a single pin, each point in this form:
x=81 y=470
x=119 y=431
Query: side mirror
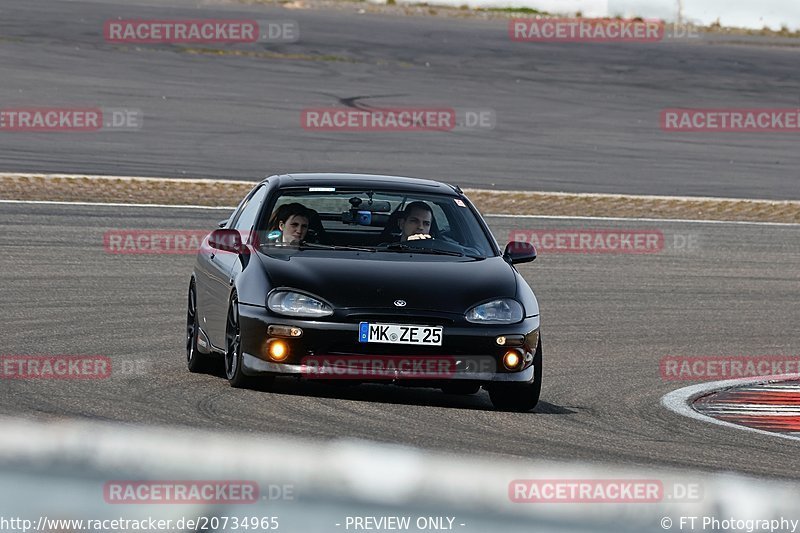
x=519 y=252
x=227 y=240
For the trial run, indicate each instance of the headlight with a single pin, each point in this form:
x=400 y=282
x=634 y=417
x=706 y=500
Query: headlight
x=297 y=304
x=504 y=311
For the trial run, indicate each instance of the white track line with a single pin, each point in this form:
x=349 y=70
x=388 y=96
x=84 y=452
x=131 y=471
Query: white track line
x=679 y=401
x=108 y=204
x=597 y=195
x=636 y=219
x=494 y=215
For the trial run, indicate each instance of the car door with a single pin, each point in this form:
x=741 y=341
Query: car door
x=204 y=271
x=224 y=265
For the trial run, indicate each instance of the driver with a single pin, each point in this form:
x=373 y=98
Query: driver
x=415 y=222
x=292 y=221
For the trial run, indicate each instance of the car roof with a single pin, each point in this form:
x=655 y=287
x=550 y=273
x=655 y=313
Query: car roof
x=369 y=181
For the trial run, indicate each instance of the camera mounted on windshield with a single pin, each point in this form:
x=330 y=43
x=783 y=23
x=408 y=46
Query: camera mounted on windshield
x=361 y=214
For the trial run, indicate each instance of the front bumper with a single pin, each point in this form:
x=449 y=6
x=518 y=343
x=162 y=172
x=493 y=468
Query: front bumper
x=469 y=352
x=253 y=366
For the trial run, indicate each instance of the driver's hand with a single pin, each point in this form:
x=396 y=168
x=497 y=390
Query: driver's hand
x=419 y=236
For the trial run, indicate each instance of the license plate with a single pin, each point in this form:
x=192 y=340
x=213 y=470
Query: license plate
x=400 y=334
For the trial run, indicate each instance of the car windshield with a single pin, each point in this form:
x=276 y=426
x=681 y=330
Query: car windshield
x=375 y=221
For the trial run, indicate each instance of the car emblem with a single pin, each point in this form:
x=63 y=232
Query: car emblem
x=400 y=303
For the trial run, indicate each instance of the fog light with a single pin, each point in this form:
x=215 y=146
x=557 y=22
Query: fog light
x=511 y=359
x=501 y=340
x=278 y=351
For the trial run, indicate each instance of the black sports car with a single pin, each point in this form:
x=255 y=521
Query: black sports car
x=365 y=278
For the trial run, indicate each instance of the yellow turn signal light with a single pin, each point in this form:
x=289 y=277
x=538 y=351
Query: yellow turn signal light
x=284 y=331
x=510 y=340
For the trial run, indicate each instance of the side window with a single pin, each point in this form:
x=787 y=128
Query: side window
x=247 y=216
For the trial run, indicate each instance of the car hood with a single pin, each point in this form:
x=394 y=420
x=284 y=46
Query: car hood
x=375 y=280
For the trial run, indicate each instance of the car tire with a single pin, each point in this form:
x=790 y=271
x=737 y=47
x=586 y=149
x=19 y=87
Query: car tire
x=520 y=397
x=461 y=388
x=233 y=348
x=195 y=361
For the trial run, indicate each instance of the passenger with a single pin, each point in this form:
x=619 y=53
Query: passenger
x=416 y=222
x=292 y=221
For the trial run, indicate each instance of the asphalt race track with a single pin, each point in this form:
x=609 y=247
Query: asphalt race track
x=568 y=116
x=608 y=319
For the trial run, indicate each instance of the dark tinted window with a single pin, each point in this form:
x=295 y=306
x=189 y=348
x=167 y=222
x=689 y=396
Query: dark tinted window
x=249 y=212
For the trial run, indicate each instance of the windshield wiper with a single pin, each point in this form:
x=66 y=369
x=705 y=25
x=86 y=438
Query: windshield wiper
x=401 y=247
x=315 y=246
